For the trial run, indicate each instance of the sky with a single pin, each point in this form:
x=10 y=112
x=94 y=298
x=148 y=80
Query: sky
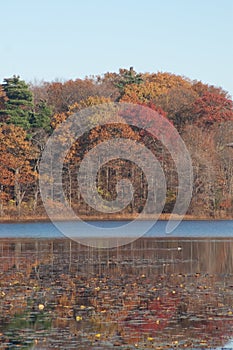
x=68 y=39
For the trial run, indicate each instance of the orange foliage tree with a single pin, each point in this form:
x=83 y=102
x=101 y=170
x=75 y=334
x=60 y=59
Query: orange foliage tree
x=153 y=86
x=16 y=156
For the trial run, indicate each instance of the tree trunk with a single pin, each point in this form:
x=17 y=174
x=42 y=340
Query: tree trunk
x=1 y=201
x=18 y=193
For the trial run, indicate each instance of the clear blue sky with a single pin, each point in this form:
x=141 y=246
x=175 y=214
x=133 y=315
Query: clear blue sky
x=63 y=39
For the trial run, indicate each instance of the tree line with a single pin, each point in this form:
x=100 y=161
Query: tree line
x=202 y=114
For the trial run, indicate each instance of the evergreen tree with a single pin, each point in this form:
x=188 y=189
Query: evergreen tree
x=128 y=77
x=18 y=108
x=41 y=119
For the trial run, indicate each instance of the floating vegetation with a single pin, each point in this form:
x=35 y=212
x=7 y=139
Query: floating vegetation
x=57 y=294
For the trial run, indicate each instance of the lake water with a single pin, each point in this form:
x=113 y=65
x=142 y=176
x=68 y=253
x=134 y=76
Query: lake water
x=162 y=291
x=198 y=228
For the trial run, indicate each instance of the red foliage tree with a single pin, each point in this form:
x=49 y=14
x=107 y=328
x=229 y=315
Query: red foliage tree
x=212 y=108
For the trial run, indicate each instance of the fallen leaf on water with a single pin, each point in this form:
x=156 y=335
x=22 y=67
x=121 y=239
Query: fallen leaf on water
x=41 y=307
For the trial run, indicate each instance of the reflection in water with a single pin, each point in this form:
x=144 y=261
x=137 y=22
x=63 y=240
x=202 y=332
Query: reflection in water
x=152 y=293
x=229 y=345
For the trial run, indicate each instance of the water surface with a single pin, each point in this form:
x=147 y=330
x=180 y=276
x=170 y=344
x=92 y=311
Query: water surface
x=164 y=293
x=197 y=228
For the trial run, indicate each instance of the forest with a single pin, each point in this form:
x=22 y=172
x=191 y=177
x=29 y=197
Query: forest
x=201 y=113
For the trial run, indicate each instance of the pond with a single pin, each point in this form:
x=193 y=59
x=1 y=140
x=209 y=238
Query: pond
x=157 y=292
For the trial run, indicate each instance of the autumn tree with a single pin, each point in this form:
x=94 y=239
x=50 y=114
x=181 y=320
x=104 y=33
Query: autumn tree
x=107 y=85
x=16 y=156
x=62 y=95
x=88 y=141
x=178 y=105
x=153 y=86
x=200 y=89
x=90 y=101
x=161 y=129
x=223 y=136
x=77 y=90
x=6 y=180
x=212 y=108
x=165 y=80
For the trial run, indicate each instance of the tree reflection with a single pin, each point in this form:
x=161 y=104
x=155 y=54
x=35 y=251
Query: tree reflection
x=152 y=292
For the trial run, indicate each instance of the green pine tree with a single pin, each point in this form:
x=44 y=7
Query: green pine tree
x=18 y=108
x=128 y=77
x=41 y=119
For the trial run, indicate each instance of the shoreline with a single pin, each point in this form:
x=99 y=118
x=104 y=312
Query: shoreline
x=162 y=217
